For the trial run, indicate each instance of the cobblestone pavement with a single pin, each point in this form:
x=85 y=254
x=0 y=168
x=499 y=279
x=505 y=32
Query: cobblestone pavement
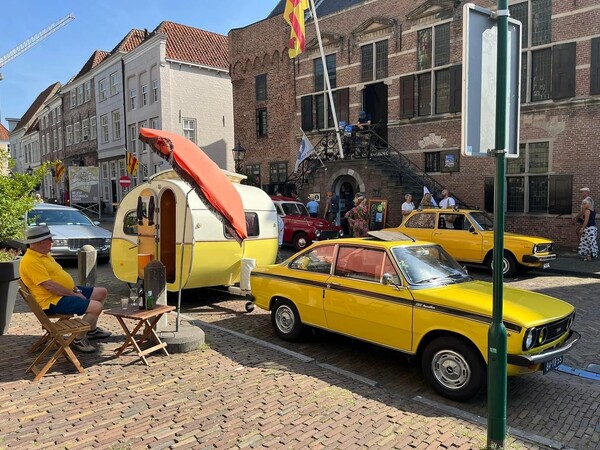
x=237 y=393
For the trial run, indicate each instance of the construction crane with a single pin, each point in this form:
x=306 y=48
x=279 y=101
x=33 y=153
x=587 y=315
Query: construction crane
x=26 y=45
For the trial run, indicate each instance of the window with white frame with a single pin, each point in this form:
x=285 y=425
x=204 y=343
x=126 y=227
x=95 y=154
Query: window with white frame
x=73 y=98
x=116 y=124
x=55 y=139
x=154 y=123
x=132 y=97
x=43 y=144
x=154 y=90
x=144 y=95
x=113 y=169
x=132 y=138
x=115 y=83
x=527 y=178
x=374 y=61
x=87 y=94
x=52 y=118
x=58 y=114
x=104 y=127
x=69 y=134
x=93 y=127
x=77 y=132
x=85 y=130
x=102 y=89
x=143 y=147
x=80 y=94
x=105 y=182
x=189 y=129
x=60 y=139
x=122 y=167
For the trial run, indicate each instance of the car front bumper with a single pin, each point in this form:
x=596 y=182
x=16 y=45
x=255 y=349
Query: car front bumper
x=66 y=253
x=539 y=259
x=547 y=355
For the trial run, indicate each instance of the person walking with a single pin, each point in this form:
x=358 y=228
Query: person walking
x=447 y=202
x=332 y=207
x=578 y=219
x=588 y=242
x=312 y=206
x=358 y=217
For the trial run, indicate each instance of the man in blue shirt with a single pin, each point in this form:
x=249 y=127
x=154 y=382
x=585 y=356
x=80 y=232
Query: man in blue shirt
x=312 y=206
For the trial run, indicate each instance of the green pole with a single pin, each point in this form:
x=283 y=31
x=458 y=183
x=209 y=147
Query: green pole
x=497 y=331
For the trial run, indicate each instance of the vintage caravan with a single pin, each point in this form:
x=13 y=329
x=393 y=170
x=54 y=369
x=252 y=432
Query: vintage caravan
x=164 y=219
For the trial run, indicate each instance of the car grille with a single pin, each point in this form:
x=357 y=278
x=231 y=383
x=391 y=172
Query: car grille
x=76 y=244
x=556 y=329
x=544 y=248
x=329 y=234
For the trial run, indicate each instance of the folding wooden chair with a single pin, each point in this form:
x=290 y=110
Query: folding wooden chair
x=43 y=339
x=60 y=336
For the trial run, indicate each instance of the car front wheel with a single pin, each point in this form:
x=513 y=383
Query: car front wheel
x=301 y=241
x=453 y=368
x=509 y=264
x=286 y=320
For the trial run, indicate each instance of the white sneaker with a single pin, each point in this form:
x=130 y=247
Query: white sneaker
x=83 y=345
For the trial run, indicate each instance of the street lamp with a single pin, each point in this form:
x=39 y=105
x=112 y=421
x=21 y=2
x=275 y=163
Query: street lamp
x=29 y=170
x=239 y=153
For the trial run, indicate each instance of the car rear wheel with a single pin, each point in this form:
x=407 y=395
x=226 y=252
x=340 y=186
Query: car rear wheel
x=286 y=320
x=453 y=368
x=301 y=241
x=509 y=264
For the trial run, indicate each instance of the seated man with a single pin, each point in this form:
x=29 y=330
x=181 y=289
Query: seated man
x=54 y=289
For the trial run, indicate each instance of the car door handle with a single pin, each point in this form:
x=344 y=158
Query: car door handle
x=332 y=284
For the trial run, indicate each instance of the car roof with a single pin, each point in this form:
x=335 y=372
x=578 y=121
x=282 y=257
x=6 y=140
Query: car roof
x=446 y=210
x=280 y=198
x=370 y=242
x=54 y=207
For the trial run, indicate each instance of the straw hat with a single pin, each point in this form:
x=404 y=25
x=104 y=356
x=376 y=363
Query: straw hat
x=36 y=234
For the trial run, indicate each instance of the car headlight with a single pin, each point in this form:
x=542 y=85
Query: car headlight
x=529 y=339
x=60 y=243
x=340 y=233
x=318 y=233
x=107 y=242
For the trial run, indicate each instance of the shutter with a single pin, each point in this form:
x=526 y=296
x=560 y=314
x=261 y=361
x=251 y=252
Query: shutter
x=488 y=194
x=456 y=88
x=560 y=194
x=595 y=67
x=307 y=113
x=407 y=97
x=343 y=105
x=563 y=70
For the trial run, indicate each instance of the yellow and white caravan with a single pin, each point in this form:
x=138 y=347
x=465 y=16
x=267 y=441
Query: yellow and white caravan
x=150 y=224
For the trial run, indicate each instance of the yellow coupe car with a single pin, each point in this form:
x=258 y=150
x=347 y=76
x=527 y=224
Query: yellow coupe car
x=468 y=235
x=412 y=296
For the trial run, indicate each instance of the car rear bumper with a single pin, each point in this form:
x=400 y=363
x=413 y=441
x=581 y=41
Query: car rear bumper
x=561 y=349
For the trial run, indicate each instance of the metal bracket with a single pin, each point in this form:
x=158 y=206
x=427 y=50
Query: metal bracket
x=496 y=152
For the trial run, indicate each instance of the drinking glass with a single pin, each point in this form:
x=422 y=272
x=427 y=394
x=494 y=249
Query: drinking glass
x=124 y=302
x=133 y=297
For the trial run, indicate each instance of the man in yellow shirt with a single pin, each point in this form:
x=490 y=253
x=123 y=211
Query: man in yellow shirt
x=54 y=289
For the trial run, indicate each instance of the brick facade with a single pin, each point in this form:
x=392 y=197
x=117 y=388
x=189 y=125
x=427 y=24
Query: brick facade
x=565 y=125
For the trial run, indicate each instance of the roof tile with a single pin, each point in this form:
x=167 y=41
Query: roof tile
x=4 y=134
x=37 y=104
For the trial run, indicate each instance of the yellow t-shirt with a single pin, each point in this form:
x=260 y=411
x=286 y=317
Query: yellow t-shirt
x=35 y=268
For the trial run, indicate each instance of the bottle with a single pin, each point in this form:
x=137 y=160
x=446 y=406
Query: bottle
x=142 y=296
x=149 y=300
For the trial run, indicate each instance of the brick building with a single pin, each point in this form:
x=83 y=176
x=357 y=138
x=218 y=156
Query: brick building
x=401 y=62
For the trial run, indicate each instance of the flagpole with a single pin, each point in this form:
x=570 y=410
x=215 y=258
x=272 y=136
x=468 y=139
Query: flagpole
x=324 y=62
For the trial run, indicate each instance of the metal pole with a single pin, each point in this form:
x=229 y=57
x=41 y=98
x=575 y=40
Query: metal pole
x=187 y=204
x=326 y=76
x=497 y=332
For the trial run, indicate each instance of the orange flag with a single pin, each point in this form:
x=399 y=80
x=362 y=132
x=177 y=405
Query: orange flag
x=59 y=171
x=132 y=164
x=294 y=15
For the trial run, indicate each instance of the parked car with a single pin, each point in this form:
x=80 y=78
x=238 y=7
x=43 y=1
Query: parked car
x=71 y=230
x=468 y=235
x=301 y=230
x=412 y=296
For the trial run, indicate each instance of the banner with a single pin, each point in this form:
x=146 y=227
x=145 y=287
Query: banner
x=426 y=191
x=132 y=164
x=84 y=184
x=294 y=16
x=306 y=149
x=59 y=171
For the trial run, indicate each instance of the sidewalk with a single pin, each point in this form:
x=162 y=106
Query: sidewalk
x=570 y=263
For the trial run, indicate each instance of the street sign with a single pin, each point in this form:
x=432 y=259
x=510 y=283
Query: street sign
x=480 y=46
x=125 y=181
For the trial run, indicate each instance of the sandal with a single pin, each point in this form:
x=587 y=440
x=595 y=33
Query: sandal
x=587 y=259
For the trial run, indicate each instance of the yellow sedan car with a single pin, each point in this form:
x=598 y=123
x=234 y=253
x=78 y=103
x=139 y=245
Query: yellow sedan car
x=468 y=235
x=412 y=296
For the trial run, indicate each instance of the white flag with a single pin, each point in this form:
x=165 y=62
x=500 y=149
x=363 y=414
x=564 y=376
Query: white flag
x=306 y=149
x=426 y=191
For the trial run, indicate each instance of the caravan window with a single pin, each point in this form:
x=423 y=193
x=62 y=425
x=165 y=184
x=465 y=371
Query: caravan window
x=130 y=224
x=251 y=226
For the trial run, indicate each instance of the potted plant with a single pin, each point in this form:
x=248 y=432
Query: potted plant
x=16 y=198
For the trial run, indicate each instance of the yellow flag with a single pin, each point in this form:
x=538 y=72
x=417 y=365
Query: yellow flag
x=294 y=15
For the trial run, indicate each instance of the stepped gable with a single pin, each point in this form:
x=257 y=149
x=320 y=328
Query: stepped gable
x=194 y=45
x=131 y=40
x=97 y=57
x=37 y=104
x=4 y=134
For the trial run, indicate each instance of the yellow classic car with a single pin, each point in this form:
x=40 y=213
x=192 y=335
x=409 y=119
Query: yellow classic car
x=412 y=296
x=468 y=235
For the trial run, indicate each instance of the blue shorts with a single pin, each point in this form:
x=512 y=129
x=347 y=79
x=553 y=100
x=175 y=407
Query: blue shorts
x=72 y=304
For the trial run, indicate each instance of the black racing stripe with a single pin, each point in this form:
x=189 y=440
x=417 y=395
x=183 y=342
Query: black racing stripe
x=390 y=298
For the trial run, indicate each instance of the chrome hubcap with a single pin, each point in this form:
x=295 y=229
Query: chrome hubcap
x=450 y=369
x=284 y=318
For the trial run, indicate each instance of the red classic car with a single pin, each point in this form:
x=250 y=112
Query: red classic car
x=300 y=230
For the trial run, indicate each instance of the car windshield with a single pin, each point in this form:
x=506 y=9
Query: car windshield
x=483 y=220
x=294 y=208
x=424 y=265
x=57 y=217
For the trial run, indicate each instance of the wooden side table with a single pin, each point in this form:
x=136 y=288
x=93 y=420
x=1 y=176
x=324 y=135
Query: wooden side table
x=147 y=317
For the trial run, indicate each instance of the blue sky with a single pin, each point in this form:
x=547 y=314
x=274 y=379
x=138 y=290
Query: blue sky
x=98 y=25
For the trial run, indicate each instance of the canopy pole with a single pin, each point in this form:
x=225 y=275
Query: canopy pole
x=181 y=261
x=327 y=82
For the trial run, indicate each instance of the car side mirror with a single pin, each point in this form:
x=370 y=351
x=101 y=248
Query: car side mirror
x=388 y=280
x=96 y=223
x=472 y=229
